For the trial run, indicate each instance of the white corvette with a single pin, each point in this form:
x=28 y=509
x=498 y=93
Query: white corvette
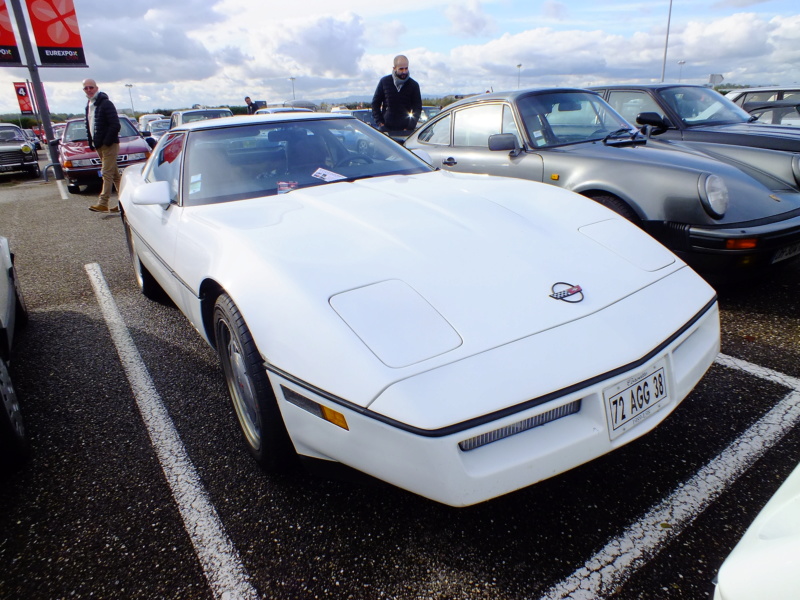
x=459 y=336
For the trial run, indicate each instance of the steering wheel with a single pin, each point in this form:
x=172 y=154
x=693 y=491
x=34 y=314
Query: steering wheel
x=351 y=158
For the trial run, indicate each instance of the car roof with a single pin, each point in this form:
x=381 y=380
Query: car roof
x=262 y=118
x=767 y=88
x=512 y=95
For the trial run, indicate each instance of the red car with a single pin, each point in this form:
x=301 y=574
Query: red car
x=82 y=166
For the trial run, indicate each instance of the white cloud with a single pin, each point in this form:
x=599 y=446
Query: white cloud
x=468 y=19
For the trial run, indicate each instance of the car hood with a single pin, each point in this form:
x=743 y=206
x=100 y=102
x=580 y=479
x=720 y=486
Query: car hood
x=80 y=149
x=760 y=183
x=408 y=273
x=756 y=129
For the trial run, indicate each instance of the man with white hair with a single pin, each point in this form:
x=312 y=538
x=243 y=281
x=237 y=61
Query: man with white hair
x=102 y=129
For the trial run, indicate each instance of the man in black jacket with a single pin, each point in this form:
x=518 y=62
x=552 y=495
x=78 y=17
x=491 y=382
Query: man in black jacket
x=102 y=128
x=397 y=102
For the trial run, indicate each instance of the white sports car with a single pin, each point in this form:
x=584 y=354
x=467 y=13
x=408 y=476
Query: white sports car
x=459 y=336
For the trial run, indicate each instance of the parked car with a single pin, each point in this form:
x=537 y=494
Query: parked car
x=281 y=109
x=179 y=117
x=158 y=128
x=145 y=120
x=725 y=220
x=33 y=138
x=696 y=114
x=365 y=115
x=14 y=444
x=428 y=112
x=413 y=324
x=81 y=165
x=775 y=112
x=766 y=561
x=742 y=96
x=58 y=130
x=17 y=153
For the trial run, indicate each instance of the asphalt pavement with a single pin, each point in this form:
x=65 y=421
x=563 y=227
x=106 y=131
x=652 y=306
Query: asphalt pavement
x=95 y=513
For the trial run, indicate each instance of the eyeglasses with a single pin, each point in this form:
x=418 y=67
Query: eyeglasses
x=89 y=87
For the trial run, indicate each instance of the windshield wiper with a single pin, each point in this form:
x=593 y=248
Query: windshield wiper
x=620 y=131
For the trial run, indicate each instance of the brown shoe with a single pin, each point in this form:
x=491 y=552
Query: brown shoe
x=98 y=208
x=114 y=209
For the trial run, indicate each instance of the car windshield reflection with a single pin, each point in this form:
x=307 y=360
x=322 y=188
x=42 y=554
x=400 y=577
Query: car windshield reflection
x=703 y=106
x=560 y=118
x=235 y=163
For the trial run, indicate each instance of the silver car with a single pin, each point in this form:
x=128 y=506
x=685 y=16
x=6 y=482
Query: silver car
x=722 y=218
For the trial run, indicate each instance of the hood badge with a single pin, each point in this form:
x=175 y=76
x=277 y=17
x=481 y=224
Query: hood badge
x=567 y=292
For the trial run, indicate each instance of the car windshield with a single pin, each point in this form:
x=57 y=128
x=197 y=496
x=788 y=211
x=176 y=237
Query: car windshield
x=703 y=106
x=263 y=159
x=76 y=130
x=559 y=118
x=11 y=134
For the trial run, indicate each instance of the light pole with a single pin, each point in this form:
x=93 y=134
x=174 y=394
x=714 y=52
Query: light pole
x=666 y=43
x=292 y=80
x=519 y=73
x=680 y=69
x=130 y=94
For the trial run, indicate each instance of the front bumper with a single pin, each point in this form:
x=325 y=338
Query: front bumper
x=429 y=461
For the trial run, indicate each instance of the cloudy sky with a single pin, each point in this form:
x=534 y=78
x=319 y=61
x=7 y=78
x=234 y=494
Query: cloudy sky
x=178 y=53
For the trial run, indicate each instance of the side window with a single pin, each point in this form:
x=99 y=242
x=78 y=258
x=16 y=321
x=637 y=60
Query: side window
x=166 y=165
x=630 y=103
x=438 y=133
x=473 y=126
x=509 y=125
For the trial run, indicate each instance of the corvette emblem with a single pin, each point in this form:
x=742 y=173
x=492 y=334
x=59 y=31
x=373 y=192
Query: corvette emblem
x=567 y=292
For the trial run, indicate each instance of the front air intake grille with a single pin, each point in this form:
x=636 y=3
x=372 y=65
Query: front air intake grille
x=11 y=158
x=520 y=426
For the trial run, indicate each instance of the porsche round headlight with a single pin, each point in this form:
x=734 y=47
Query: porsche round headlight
x=714 y=195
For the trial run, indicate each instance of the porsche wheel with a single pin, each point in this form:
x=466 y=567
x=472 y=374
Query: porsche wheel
x=618 y=206
x=14 y=444
x=144 y=280
x=250 y=390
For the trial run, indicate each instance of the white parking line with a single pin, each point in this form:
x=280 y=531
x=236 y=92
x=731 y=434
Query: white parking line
x=219 y=559
x=622 y=556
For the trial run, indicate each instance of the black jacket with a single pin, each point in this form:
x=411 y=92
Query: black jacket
x=392 y=108
x=106 y=122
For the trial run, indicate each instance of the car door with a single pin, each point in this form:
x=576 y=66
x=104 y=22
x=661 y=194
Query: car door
x=156 y=226
x=459 y=142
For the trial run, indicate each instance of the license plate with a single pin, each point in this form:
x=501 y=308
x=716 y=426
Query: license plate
x=4 y=169
x=634 y=399
x=787 y=252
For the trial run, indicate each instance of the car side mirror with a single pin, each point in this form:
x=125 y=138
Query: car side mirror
x=502 y=141
x=505 y=141
x=656 y=121
x=152 y=193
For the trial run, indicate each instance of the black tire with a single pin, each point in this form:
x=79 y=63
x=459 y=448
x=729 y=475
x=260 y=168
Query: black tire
x=74 y=189
x=619 y=206
x=36 y=171
x=21 y=309
x=249 y=387
x=14 y=444
x=144 y=280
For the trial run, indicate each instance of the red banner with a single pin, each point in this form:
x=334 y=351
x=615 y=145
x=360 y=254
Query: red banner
x=24 y=97
x=9 y=53
x=55 y=29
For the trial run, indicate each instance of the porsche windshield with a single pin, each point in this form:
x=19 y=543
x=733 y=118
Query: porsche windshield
x=246 y=161
x=559 y=118
x=703 y=106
